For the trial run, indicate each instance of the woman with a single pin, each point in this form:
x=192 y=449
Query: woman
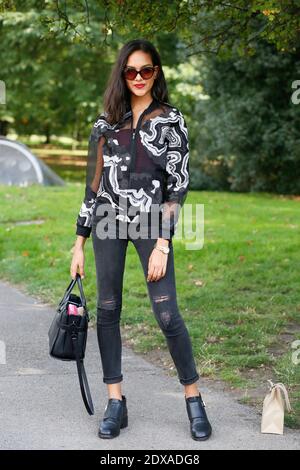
x=137 y=178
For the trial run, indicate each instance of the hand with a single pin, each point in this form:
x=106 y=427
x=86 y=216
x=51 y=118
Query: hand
x=77 y=262
x=157 y=264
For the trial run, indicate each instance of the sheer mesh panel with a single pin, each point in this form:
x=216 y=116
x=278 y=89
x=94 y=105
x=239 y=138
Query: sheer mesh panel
x=94 y=167
x=95 y=170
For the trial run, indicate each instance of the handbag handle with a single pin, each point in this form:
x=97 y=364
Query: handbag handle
x=82 y=296
x=69 y=290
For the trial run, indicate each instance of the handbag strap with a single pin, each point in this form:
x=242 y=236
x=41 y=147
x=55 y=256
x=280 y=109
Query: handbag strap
x=83 y=381
x=280 y=386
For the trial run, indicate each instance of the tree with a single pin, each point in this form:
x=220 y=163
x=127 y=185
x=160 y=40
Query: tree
x=52 y=86
x=250 y=123
x=205 y=26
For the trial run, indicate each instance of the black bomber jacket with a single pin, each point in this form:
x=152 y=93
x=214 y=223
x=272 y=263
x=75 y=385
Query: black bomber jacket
x=137 y=168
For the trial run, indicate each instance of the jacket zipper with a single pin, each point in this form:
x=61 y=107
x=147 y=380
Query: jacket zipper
x=133 y=146
x=133 y=134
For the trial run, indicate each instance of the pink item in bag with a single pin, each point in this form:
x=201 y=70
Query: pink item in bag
x=80 y=310
x=72 y=309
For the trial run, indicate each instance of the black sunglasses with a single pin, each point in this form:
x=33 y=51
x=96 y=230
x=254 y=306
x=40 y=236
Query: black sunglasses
x=145 y=73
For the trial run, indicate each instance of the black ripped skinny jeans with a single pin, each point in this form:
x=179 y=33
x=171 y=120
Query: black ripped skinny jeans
x=110 y=262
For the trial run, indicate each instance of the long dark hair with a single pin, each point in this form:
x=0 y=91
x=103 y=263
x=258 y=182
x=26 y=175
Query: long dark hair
x=116 y=100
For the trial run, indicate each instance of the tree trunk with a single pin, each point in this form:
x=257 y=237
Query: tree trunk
x=3 y=128
x=47 y=134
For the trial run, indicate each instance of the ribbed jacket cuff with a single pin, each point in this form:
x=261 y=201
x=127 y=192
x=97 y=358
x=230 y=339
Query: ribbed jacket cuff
x=83 y=231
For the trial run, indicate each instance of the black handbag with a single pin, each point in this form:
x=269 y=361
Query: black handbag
x=68 y=336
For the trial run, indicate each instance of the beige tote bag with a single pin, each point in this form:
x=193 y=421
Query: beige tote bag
x=273 y=409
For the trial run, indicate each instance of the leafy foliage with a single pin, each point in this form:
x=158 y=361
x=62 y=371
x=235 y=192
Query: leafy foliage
x=250 y=124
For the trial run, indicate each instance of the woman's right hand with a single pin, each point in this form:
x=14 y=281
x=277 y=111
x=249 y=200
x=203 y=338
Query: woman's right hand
x=77 y=264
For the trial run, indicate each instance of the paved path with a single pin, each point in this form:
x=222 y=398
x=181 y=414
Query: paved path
x=41 y=406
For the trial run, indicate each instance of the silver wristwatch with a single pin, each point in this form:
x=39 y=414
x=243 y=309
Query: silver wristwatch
x=164 y=249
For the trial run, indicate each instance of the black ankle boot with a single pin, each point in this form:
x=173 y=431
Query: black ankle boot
x=115 y=418
x=199 y=425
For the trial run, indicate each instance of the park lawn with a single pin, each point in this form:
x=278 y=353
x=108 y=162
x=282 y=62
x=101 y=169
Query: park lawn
x=239 y=294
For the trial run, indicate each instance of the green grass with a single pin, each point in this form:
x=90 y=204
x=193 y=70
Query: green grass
x=242 y=316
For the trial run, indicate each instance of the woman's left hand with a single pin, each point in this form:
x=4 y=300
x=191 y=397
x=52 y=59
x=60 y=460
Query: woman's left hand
x=157 y=265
